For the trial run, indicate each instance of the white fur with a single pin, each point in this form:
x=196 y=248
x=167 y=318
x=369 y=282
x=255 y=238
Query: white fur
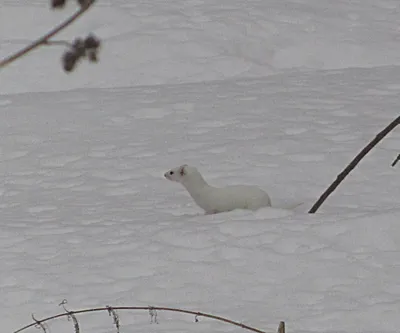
x=216 y=200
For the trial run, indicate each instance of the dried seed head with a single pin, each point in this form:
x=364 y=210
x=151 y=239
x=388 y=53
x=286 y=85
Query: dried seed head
x=92 y=42
x=81 y=48
x=78 y=46
x=57 y=3
x=83 y=3
x=92 y=55
x=69 y=60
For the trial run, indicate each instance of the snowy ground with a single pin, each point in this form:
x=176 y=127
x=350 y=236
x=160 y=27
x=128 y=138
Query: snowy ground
x=277 y=93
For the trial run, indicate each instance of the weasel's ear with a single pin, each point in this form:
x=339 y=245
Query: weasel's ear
x=182 y=170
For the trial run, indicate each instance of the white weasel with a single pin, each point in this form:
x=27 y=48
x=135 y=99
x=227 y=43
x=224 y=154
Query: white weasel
x=217 y=200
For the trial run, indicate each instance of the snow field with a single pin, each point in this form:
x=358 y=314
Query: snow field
x=278 y=94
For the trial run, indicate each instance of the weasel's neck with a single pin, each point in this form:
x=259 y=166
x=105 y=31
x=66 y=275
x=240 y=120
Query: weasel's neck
x=194 y=183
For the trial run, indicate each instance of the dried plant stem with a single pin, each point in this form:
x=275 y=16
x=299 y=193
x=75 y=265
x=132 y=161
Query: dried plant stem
x=354 y=163
x=45 y=39
x=57 y=42
x=281 y=328
x=147 y=308
x=115 y=316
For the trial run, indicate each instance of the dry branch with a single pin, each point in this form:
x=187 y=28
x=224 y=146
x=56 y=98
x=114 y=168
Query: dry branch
x=45 y=39
x=354 y=163
x=144 y=308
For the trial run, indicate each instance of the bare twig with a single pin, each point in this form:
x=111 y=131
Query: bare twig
x=354 y=163
x=146 y=308
x=44 y=39
x=396 y=160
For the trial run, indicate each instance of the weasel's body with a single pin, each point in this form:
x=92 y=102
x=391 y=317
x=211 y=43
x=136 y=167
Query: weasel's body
x=216 y=200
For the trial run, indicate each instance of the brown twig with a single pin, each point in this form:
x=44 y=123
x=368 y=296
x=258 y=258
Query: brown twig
x=147 y=308
x=281 y=328
x=44 y=39
x=57 y=42
x=354 y=163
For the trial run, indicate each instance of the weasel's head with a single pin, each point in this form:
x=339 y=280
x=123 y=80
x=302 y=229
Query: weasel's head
x=181 y=173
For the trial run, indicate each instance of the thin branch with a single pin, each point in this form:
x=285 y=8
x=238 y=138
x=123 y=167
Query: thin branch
x=396 y=160
x=57 y=42
x=44 y=39
x=147 y=308
x=354 y=163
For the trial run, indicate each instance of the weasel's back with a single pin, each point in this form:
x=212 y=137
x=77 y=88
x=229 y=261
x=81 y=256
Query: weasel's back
x=239 y=197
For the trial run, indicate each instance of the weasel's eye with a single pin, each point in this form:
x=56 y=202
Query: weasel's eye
x=171 y=173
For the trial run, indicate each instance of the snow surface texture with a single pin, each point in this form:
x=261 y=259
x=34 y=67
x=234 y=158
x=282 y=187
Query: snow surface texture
x=256 y=92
